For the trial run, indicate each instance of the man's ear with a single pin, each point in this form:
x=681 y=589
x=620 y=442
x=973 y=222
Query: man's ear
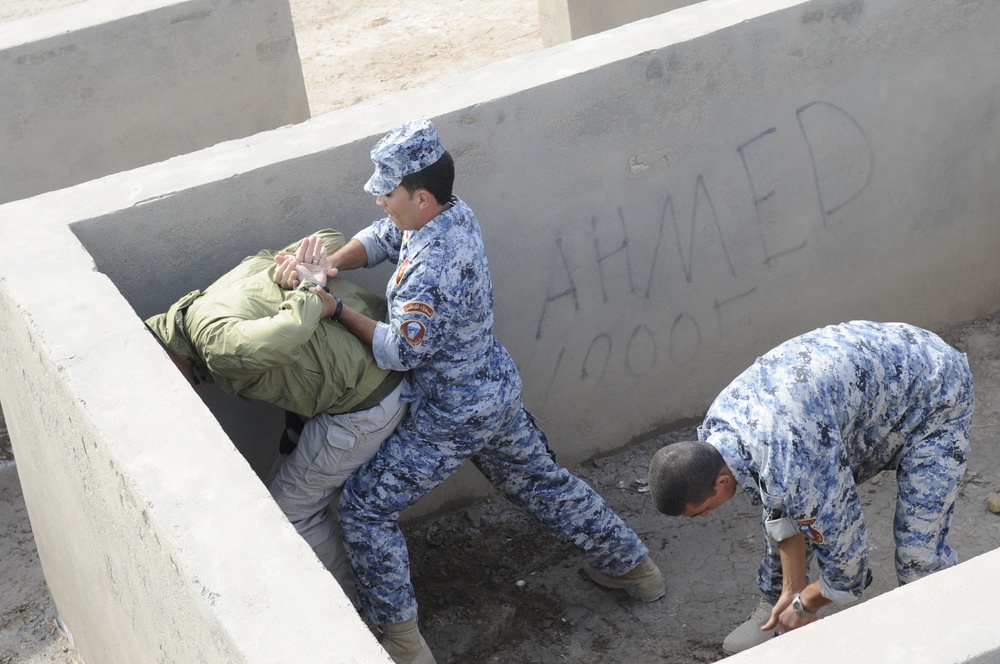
x=424 y=197
x=725 y=481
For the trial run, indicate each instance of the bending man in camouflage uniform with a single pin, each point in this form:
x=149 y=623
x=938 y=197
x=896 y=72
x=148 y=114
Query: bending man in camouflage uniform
x=464 y=392
x=800 y=430
x=255 y=340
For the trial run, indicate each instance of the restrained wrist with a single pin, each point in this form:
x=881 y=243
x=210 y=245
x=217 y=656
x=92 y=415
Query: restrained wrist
x=309 y=284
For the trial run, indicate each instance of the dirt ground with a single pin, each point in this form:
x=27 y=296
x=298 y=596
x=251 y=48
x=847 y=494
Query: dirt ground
x=492 y=587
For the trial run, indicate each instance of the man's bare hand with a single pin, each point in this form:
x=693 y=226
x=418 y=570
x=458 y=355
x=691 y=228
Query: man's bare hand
x=310 y=260
x=308 y=263
x=285 y=274
x=783 y=617
x=329 y=302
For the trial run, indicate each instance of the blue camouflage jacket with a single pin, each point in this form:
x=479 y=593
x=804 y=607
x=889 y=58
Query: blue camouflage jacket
x=822 y=413
x=440 y=324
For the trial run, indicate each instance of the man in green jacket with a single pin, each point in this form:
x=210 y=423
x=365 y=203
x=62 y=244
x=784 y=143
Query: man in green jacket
x=254 y=339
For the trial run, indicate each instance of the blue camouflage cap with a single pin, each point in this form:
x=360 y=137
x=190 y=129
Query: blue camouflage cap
x=410 y=147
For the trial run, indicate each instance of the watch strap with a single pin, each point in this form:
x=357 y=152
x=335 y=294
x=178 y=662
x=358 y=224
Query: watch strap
x=800 y=608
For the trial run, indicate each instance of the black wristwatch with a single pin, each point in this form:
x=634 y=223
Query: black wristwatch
x=800 y=609
x=335 y=316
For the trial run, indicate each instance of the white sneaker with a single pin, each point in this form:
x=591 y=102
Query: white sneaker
x=748 y=634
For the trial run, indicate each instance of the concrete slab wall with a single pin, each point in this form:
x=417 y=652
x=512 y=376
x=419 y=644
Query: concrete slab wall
x=105 y=86
x=157 y=542
x=565 y=20
x=940 y=619
x=661 y=203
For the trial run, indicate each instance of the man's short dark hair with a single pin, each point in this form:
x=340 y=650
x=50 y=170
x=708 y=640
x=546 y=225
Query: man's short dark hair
x=683 y=474
x=438 y=178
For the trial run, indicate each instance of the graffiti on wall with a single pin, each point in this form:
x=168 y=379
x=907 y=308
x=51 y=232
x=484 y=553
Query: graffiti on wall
x=626 y=260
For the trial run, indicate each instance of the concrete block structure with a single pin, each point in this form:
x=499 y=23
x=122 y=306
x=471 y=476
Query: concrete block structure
x=105 y=86
x=661 y=203
x=565 y=20
x=939 y=619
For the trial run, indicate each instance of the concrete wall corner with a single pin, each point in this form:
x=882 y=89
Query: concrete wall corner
x=566 y=20
x=103 y=86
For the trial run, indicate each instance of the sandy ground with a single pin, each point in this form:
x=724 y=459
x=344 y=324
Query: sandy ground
x=492 y=587
x=353 y=50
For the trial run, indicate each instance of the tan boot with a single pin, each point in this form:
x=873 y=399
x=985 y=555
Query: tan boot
x=405 y=645
x=748 y=634
x=643 y=581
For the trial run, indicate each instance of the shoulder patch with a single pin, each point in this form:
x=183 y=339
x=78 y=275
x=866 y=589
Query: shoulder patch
x=413 y=331
x=418 y=307
x=806 y=528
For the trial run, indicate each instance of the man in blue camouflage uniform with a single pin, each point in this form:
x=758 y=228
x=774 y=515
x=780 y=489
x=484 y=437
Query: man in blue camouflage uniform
x=800 y=430
x=464 y=392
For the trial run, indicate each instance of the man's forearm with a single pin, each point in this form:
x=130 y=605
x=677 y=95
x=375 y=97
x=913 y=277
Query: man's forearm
x=793 y=563
x=349 y=257
x=358 y=324
x=794 y=574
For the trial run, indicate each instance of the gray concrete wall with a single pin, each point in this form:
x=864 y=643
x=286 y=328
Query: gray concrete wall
x=157 y=543
x=661 y=203
x=105 y=86
x=564 y=20
x=940 y=619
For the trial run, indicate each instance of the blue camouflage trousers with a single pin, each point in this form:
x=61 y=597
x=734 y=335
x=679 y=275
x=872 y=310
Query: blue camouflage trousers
x=929 y=469
x=514 y=456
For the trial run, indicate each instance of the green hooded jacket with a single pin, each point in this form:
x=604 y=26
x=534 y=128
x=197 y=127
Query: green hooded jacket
x=254 y=339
